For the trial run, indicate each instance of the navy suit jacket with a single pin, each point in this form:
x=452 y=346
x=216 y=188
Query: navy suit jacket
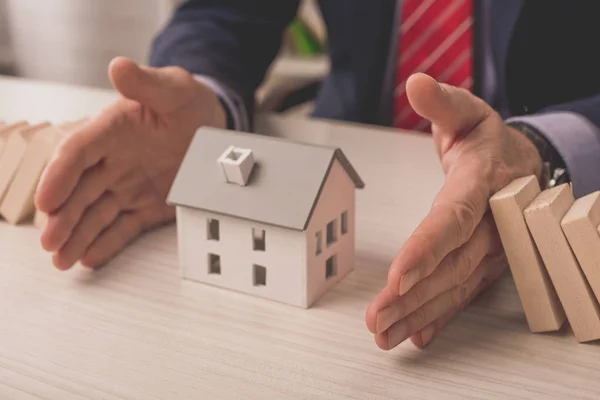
x=544 y=71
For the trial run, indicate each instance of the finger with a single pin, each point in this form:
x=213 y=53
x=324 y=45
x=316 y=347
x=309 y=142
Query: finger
x=94 y=182
x=430 y=311
x=453 y=271
x=100 y=215
x=426 y=335
x=452 y=111
x=123 y=230
x=457 y=210
x=160 y=89
x=80 y=150
x=381 y=301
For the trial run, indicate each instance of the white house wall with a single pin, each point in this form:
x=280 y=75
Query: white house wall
x=284 y=257
x=338 y=195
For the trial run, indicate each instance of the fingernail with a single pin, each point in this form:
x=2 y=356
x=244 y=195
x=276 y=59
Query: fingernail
x=397 y=334
x=385 y=318
x=407 y=281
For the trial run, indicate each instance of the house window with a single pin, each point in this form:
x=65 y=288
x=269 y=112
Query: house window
x=331 y=232
x=344 y=222
x=212 y=229
x=331 y=267
x=258 y=239
x=214 y=264
x=319 y=237
x=260 y=275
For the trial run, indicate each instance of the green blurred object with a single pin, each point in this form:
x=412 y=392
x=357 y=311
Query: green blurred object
x=304 y=41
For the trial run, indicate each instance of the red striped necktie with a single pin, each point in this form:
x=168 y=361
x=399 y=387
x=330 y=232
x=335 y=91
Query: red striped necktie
x=435 y=38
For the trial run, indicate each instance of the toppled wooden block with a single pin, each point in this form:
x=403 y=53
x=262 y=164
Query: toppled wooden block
x=581 y=228
x=18 y=203
x=70 y=126
x=24 y=153
x=7 y=130
x=11 y=157
x=541 y=304
x=543 y=217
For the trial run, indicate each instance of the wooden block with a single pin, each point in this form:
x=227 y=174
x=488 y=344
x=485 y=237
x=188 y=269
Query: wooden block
x=14 y=149
x=541 y=304
x=580 y=225
x=7 y=130
x=70 y=126
x=18 y=203
x=543 y=217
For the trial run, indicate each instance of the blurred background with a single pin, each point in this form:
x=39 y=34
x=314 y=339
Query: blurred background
x=72 y=41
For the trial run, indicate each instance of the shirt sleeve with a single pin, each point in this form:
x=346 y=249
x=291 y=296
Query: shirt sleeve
x=233 y=103
x=577 y=140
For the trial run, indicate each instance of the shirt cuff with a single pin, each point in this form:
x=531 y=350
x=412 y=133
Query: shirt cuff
x=233 y=103
x=577 y=140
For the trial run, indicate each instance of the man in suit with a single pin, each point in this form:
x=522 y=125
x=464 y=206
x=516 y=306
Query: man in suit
x=507 y=89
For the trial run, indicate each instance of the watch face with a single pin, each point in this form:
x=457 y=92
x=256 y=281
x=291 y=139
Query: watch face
x=546 y=175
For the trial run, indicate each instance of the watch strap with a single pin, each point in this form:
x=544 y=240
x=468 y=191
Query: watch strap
x=554 y=168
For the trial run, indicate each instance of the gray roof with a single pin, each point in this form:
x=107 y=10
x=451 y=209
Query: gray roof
x=284 y=186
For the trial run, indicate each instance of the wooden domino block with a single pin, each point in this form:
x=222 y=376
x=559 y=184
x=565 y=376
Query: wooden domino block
x=70 y=126
x=18 y=203
x=11 y=157
x=7 y=130
x=543 y=217
x=581 y=228
x=541 y=304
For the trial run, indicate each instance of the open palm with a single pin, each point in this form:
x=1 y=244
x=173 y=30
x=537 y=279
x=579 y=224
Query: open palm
x=108 y=181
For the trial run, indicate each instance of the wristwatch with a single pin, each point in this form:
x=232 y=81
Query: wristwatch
x=554 y=171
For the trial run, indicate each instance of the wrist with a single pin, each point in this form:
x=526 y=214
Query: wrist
x=232 y=105
x=553 y=168
x=530 y=158
x=222 y=116
x=213 y=112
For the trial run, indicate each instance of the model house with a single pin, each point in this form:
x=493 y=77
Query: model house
x=265 y=216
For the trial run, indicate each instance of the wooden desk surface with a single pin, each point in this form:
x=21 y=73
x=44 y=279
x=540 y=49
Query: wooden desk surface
x=135 y=330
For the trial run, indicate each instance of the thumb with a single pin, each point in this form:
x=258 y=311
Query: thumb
x=161 y=89
x=452 y=111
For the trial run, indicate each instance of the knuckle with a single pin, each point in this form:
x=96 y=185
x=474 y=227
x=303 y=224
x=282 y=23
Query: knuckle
x=459 y=296
x=420 y=318
x=416 y=299
x=425 y=252
x=119 y=116
x=121 y=199
x=109 y=208
x=463 y=268
x=455 y=270
x=463 y=214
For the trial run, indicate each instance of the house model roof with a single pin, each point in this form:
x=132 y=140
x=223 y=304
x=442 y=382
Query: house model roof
x=283 y=187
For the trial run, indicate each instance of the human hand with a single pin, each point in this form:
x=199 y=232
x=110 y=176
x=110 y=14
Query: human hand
x=108 y=181
x=455 y=252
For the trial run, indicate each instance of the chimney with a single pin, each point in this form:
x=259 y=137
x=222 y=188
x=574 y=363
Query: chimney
x=236 y=165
